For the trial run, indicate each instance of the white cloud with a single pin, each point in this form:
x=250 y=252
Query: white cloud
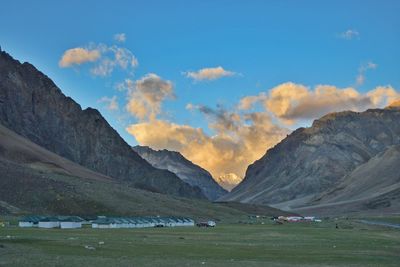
x=349 y=34
x=360 y=79
x=111 y=102
x=114 y=57
x=77 y=56
x=209 y=73
x=120 y=37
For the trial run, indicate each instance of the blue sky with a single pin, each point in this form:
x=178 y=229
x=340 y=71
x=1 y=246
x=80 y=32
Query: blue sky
x=265 y=43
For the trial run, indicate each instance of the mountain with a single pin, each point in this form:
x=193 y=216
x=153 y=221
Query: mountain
x=35 y=180
x=228 y=181
x=338 y=150
x=183 y=168
x=374 y=185
x=32 y=106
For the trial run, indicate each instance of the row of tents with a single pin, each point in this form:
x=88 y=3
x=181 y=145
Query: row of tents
x=103 y=222
x=64 y=222
x=141 y=222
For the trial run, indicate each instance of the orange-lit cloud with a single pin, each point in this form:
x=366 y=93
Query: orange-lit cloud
x=290 y=102
x=395 y=104
x=238 y=141
x=209 y=73
x=241 y=135
x=77 y=56
x=105 y=59
x=146 y=95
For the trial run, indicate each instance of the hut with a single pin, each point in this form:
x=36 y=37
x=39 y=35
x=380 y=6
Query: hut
x=30 y=221
x=49 y=222
x=102 y=223
x=188 y=222
x=70 y=222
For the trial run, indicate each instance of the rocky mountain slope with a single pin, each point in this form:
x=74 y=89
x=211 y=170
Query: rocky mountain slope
x=374 y=186
x=34 y=107
x=35 y=180
x=313 y=161
x=183 y=168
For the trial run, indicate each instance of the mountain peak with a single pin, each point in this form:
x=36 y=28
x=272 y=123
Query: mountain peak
x=183 y=168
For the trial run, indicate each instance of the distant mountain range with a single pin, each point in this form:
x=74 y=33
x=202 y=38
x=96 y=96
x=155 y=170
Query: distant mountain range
x=183 y=168
x=344 y=162
x=57 y=158
x=32 y=106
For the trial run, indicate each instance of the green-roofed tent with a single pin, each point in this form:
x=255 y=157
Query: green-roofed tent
x=49 y=222
x=70 y=222
x=30 y=221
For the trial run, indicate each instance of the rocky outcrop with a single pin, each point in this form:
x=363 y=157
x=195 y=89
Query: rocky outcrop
x=183 y=168
x=311 y=161
x=34 y=107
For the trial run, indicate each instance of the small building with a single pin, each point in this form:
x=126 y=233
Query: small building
x=102 y=223
x=49 y=222
x=188 y=222
x=70 y=222
x=30 y=221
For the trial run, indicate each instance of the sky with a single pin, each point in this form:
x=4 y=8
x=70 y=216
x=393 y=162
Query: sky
x=220 y=81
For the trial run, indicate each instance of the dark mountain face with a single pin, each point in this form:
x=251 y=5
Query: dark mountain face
x=311 y=161
x=183 y=168
x=35 y=108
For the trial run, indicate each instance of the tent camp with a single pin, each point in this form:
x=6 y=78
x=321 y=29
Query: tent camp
x=49 y=222
x=70 y=222
x=140 y=222
x=30 y=221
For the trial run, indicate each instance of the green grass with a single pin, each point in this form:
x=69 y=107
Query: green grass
x=226 y=245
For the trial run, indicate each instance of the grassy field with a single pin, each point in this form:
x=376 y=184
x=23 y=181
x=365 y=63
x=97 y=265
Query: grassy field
x=302 y=244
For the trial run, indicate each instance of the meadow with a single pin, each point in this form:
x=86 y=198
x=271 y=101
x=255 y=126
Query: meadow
x=238 y=244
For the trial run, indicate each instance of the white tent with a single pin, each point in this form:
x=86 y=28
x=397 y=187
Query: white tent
x=70 y=222
x=49 y=222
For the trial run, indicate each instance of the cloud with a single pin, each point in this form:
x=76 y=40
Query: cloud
x=113 y=57
x=209 y=73
x=105 y=59
x=349 y=34
x=248 y=102
x=226 y=152
x=146 y=95
x=394 y=104
x=241 y=135
x=111 y=102
x=120 y=37
x=77 y=56
x=290 y=102
x=238 y=139
x=382 y=96
x=360 y=79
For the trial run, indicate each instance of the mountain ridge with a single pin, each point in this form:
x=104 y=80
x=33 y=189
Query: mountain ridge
x=34 y=107
x=183 y=168
x=312 y=160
